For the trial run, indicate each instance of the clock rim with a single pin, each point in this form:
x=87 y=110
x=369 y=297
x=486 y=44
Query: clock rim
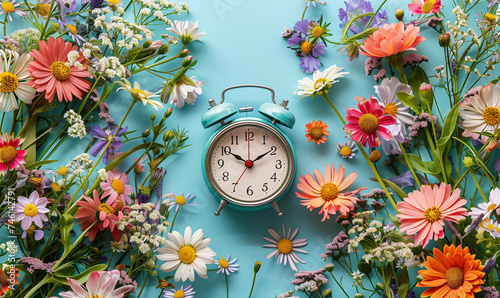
x=256 y=205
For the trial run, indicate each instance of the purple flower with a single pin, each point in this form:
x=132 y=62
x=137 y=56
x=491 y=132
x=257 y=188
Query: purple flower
x=95 y=4
x=37 y=264
x=142 y=198
x=403 y=180
x=359 y=7
x=104 y=136
x=38 y=233
x=307 y=50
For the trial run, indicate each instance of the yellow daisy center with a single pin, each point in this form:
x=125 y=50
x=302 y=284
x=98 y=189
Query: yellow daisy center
x=118 y=206
x=30 y=210
x=55 y=187
x=454 y=277
x=7 y=7
x=428 y=6
x=492 y=207
x=35 y=180
x=490 y=18
x=114 y=2
x=490 y=227
x=8 y=81
x=329 y=191
x=117 y=186
x=180 y=200
x=60 y=71
x=497 y=229
x=7 y=154
x=368 y=123
x=62 y=171
x=391 y=109
x=179 y=294
x=72 y=28
x=107 y=209
x=316 y=133
x=306 y=47
x=432 y=214
x=491 y=115
x=31 y=230
x=223 y=263
x=317 y=31
x=375 y=155
x=345 y=151
x=187 y=254
x=140 y=93
x=285 y=246
x=43 y=9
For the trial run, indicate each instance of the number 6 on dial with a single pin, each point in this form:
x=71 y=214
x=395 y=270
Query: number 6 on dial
x=250 y=162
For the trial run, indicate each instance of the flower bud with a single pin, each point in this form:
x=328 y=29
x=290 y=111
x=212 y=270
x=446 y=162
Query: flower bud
x=187 y=61
x=329 y=267
x=183 y=53
x=426 y=91
x=444 y=39
x=399 y=14
x=379 y=286
x=327 y=293
x=146 y=44
x=256 y=267
x=152 y=117
x=163 y=49
x=490 y=18
x=468 y=161
x=420 y=278
x=359 y=295
x=120 y=267
x=168 y=135
x=345 y=223
x=375 y=156
x=146 y=133
x=168 y=113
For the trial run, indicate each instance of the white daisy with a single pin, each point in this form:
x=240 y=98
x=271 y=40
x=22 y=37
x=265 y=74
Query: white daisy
x=187 y=32
x=187 y=292
x=14 y=77
x=492 y=227
x=387 y=91
x=481 y=113
x=178 y=201
x=185 y=90
x=10 y=7
x=227 y=266
x=321 y=82
x=285 y=247
x=186 y=254
x=137 y=93
x=487 y=208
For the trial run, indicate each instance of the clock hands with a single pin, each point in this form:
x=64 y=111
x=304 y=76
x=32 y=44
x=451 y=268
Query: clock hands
x=262 y=155
x=237 y=157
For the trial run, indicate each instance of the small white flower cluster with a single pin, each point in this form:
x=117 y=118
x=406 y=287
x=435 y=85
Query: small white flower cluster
x=399 y=251
x=145 y=227
x=77 y=126
x=27 y=38
x=73 y=60
x=310 y=286
x=457 y=29
x=110 y=67
x=79 y=165
x=171 y=39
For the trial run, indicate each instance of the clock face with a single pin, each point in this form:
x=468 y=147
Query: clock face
x=249 y=163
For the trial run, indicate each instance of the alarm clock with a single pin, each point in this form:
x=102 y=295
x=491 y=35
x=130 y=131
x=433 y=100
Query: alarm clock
x=249 y=162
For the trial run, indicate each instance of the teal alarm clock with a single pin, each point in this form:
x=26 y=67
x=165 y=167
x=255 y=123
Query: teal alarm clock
x=249 y=163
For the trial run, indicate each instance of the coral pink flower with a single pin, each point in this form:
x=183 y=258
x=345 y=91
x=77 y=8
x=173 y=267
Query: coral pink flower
x=91 y=210
x=423 y=212
x=327 y=193
x=100 y=284
x=116 y=187
x=10 y=156
x=391 y=40
x=51 y=74
x=365 y=124
x=425 y=6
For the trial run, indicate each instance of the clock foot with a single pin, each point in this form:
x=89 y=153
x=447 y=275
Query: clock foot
x=275 y=207
x=221 y=206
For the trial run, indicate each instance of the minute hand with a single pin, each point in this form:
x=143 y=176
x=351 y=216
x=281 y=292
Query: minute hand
x=262 y=155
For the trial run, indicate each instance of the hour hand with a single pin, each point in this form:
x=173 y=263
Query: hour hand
x=237 y=157
x=262 y=155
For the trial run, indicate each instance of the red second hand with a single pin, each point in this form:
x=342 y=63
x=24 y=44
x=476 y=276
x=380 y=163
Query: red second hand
x=241 y=175
x=248 y=139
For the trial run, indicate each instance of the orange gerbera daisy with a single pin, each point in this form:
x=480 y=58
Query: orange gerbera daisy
x=6 y=279
x=423 y=211
x=391 y=40
x=326 y=191
x=51 y=74
x=316 y=131
x=453 y=273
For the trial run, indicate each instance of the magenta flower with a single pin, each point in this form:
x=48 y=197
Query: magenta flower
x=104 y=136
x=31 y=210
x=116 y=187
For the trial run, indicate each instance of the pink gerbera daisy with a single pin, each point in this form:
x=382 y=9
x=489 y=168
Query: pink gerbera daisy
x=99 y=284
x=423 y=211
x=116 y=187
x=425 y=6
x=31 y=210
x=10 y=156
x=368 y=123
x=326 y=191
x=91 y=210
x=51 y=74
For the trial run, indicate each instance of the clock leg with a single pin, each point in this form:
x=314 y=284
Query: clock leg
x=275 y=207
x=223 y=204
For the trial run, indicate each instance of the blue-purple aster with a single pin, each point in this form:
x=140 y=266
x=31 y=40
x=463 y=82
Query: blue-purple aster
x=358 y=7
x=103 y=137
x=308 y=48
x=347 y=149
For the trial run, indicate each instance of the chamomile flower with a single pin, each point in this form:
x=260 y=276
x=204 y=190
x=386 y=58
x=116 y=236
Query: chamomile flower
x=321 y=82
x=227 y=266
x=347 y=149
x=138 y=94
x=10 y=7
x=285 y=247
x=489 y=207
x=14 y=77
x=178 y=201
x=186 y=31
x=187 y=292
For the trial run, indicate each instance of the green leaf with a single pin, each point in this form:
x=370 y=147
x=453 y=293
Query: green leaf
x=394 y=220
x=65 y=226
x=409 y=101
x=450 y=121
x=396 y=236
x=82 y=277
x=387 y=278
x=417 y=78
x=394 y=187
x=404 y=282
x=428 y=167
x=30 y=137
x=37 y=164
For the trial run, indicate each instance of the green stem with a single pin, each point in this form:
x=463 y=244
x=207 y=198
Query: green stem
x=142 y=288
x=304 y=12
x=227 y=286
x=478 y=186
x=367 y=158
x=417 y=181
x=175 y=216
x=340 y=286
x=253 y=283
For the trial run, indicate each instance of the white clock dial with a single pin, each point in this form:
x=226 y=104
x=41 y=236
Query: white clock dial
x=249 y=163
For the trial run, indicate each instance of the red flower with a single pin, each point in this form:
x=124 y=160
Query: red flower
x=10 y=156
x=369 y=121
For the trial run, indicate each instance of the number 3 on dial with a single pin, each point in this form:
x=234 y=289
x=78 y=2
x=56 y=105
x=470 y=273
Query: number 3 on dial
x=249 y=163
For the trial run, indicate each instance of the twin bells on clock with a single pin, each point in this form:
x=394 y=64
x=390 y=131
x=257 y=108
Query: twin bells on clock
x=249 y=162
